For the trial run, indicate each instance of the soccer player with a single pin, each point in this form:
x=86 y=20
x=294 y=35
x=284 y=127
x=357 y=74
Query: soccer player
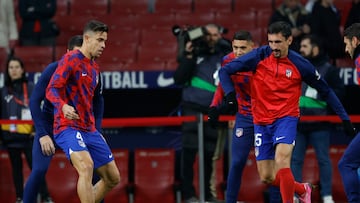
x=275 y=91
x=43 y=146
x=350 y=161
x=71 y=90
x=243 y=133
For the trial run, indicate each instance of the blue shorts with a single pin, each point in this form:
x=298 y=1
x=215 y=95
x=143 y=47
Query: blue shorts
x=283 y=130
x=71 y=140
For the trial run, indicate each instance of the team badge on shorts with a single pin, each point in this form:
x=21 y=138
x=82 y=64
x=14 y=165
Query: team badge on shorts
x=239 y=132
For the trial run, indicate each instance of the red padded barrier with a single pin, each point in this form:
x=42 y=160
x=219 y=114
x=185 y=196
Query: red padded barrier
x=154 y=175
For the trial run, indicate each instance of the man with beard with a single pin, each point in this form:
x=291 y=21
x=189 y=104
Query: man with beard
x=275 y=93
x=316 y=134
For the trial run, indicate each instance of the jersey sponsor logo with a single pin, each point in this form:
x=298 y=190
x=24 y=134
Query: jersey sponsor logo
x=279 y=138
x=164 y=82
x=318 y=76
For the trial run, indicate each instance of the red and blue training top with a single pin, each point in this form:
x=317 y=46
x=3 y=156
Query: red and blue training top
x=276 y=84
x=74 y=83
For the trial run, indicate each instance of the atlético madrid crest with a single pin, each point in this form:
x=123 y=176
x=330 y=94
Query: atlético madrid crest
x=288 y=73
x=239 y=132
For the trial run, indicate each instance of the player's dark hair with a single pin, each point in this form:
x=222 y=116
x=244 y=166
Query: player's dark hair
x=352 y=31
x=75 y=41
x=242 y=35
x=280 y=27
x=96 y=26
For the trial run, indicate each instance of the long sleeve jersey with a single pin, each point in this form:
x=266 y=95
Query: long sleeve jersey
x=44 y=117
x=241 y=80
x=276 y=84
x=74 y=83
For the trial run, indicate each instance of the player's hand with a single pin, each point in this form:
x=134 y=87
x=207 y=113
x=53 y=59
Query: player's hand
x=349 y=128
x=47 y=145
x=213 y=116
x=70 y=112
x=231 y=103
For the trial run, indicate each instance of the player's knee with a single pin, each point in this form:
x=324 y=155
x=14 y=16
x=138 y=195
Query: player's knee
x=266 y=178
x=85 y=168
x=113 y=180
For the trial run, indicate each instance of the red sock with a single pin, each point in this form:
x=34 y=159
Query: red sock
x=287 y=186
x=299 y=188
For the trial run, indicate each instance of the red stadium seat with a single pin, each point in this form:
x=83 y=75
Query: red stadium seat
x=125 y=53
x=119 y=37
x=237 y=21
x=194 y=19
x=144 y=66
x=156 y=20
x=35 y=58
x=69 y=26
x=60 y=50
x=111 y=66
x=62 y=8
x=120 y=21
x=161 y=53
x=120 y=193
x=133 y=6
x=263 y=18
x=241 y=5
x=3 y=59
x=89 y=8
x=171 y=65
x=154 y=37
x=62 y=179
x=174 y=6
x=154 y=175
x=7 y=189
x=205 y=6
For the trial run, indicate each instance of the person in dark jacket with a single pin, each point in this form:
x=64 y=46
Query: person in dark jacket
x=18 y=138
x=354 y=14
x=37 y=26
x=195 y=74
x=316 y=134
x=294 y=13
x=325 y=23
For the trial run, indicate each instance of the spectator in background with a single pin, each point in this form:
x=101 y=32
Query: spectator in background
x=325 y=23
x=18 y=138
x=8 y=26
x=37 y=26
x=294 y=13
x=196 y=75
x=316 y=134
x=354 y=14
